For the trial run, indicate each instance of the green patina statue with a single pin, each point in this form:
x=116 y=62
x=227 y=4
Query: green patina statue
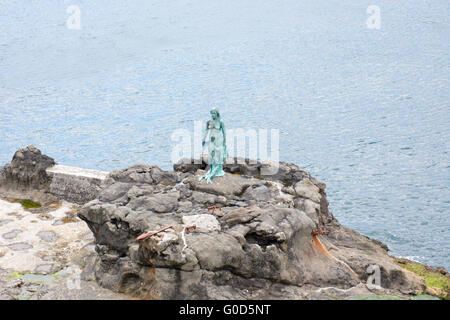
x=217 y=146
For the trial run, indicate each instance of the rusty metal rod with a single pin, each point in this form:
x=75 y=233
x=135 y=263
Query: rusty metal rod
x=147 y=235
x=319 y=231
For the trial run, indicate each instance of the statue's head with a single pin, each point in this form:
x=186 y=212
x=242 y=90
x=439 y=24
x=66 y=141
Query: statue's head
x=215 y=113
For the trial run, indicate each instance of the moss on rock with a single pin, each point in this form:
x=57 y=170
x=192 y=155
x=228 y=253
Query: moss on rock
x=28 y=204
x=437 y=280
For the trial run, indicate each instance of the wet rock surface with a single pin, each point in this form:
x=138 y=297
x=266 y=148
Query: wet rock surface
x=246 y=236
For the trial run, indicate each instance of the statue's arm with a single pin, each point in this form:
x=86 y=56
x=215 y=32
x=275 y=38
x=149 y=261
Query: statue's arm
x=205 y=134
x=223 y=132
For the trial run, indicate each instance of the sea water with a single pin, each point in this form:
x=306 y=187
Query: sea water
x=364 y=107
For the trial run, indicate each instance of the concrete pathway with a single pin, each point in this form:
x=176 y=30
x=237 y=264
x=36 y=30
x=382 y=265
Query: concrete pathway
x=43 y=252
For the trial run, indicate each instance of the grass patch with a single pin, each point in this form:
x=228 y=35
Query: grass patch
x=28 y=204
x=287 y=183
x=15 y=275
x=28 y=276
x=394 y=297
x=423 y=297
x=433 y=278
x=378 y=297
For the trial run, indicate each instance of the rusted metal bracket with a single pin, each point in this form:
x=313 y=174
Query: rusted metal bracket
x=319 y=231
x=191 y=228
x=213 y=208
x=147 y=235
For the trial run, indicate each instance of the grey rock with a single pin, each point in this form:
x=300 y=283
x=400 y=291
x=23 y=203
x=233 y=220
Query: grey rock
x=114 y=191
x=44 y=268
x=19 y=246
x=260 y=193
x=140 y=173
x=139 y=191
x=241 y=215
x=26 y=177
x=306 y=189
x=11 y=234
x=243 y=166
x=184 y=206
x=27 y=169
x=75 y=188
x=48 y=236
x=204 y=198
x=226 y=253
x=257 y=245
x=222 y=200
x=311 y=208
x=158 y=202
x=163 y=177
x=189 y=165
x=225 y=186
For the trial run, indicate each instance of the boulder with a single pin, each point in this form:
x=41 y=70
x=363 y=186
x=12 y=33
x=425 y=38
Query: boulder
x=160 y=202
x=228 y=185
x=306 y=189
x=26 y=177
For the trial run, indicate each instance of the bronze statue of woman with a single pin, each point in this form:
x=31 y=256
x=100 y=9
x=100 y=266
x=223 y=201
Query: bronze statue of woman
x=217 y=146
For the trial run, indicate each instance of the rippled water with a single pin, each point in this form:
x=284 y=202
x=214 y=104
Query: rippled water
x=366 y=111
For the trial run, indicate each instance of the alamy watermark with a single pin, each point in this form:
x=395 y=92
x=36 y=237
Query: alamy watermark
x=73 y=278
x=242 y=143
x=374 y=19
x=74 y=20
x=374 y=278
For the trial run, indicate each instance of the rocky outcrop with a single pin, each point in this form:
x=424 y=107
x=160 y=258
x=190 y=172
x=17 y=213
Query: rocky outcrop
x=32 y=175
x=262 y=231
x=26 y=177
x=255 y=233
x=27 y=170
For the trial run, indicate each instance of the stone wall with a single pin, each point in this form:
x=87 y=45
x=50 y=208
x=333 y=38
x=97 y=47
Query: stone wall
x=74 y=184
x=32 y=175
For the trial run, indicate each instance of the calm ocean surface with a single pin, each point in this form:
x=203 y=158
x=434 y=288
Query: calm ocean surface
x=367 y=111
